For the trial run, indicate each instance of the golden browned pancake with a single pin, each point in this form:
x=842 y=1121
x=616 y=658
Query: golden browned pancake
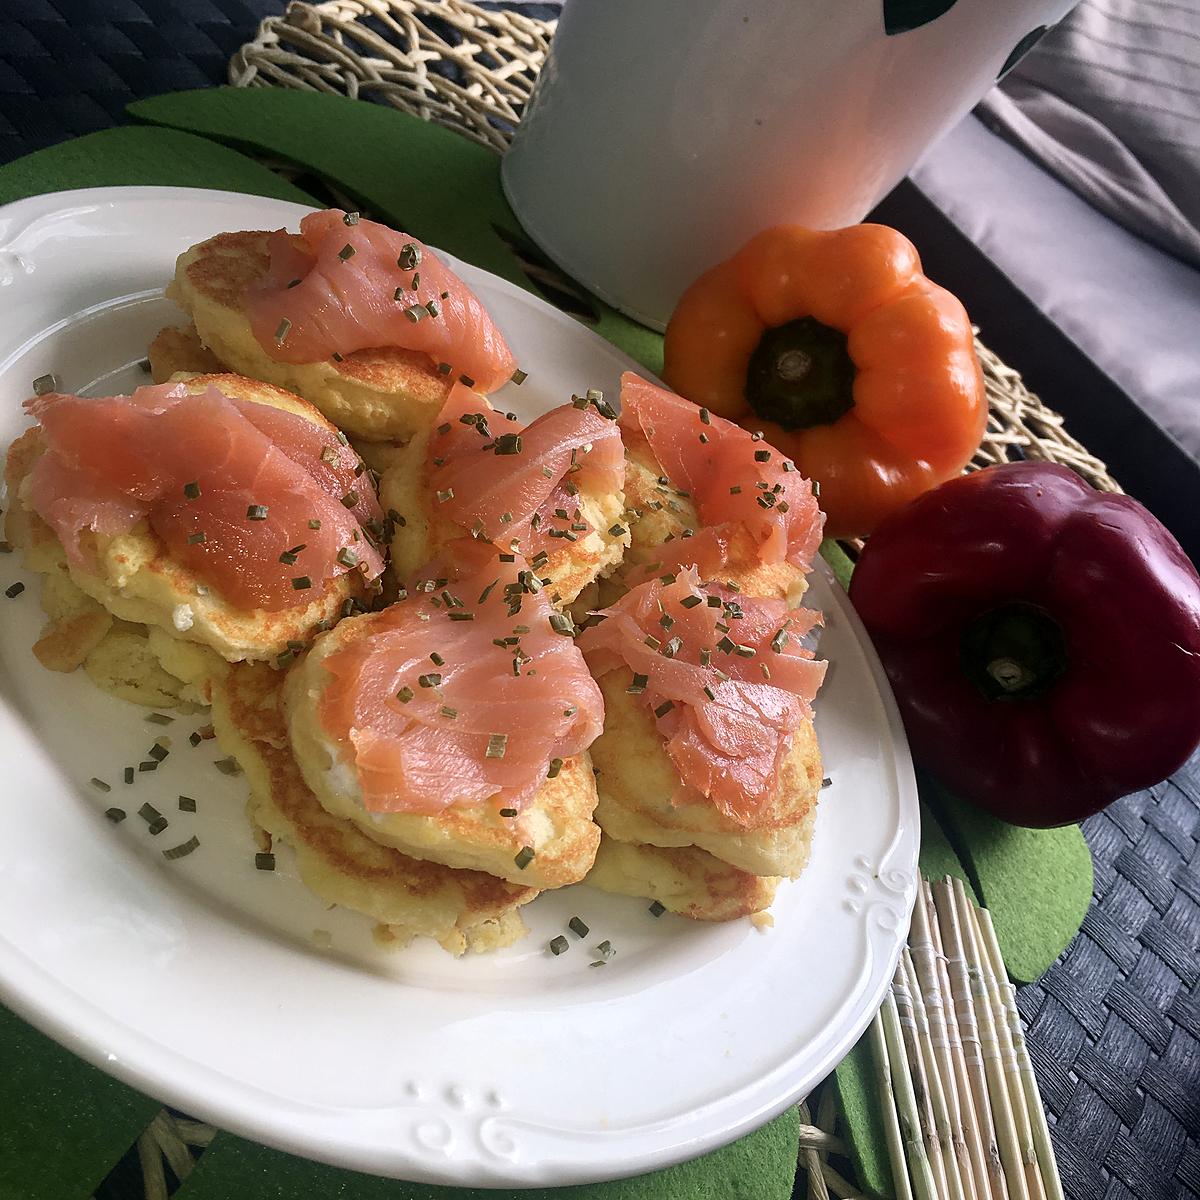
x=462 y=910
x=133 y=578
x=637 y=781
x=570 y=566
x=380 y=394
x=659 y=516
x=682 y=879
x=556 y=823
x=174 y=350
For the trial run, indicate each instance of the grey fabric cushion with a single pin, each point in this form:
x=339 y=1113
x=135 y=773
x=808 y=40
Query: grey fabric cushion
x=1109 y=101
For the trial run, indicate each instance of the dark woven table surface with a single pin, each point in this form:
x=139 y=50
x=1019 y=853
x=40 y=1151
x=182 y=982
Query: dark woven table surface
x=1114 y=1026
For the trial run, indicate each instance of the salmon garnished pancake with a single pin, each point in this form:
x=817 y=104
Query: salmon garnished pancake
x=519 y=485
x=726 y=677
x=258 y=502
x=468 y=691
x=749 y=499
x=346 y=284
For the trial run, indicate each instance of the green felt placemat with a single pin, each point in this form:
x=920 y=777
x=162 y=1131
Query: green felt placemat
x=760 y=1166
x=63 y=1124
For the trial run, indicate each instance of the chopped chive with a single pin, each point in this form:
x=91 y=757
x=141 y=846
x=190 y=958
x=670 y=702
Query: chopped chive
x=432 y=680
x=347 y=557
x=562 y=623
x=826 y=782
x=264 y=861
x=191 y=490
x=762 y=456
x=227 y=766
x=346 y=252
x=155 y=821
x=414 y=312
x=182 y=850
x=497 y=745
x=337 y=357
x=195 y=738
x=314 y=524
x=350 y=218
x=197 y=538
x=617 y=530
x=350 y=499
x=577 y=927
x=605 y=950
x=519 y=376
x=282 y=330
x=157 y=752
x=444 y=495
x=149 y=764
x=638 y=686
x=508 y=812
x=447 y=711
x=508 y=443
x=410 y=256
x=507 y=558
x=466 y=381
x=293 y=283
x=187 y=804
x=301 y=582
x=256 y=512
x=691 y=601
x=44 y=384
x=727 y=645
x=709 y=692
x=657 y=909
x=115 y=815
x=664 y=708
x=651 y=641
x=404 y=695
x=745 y=651
x=559 y=945
x=432 y=307
x=672 y=647
x=779 y=640
x=704 y=417
x=100 y=784
x=444 y=368
x=416 y=280
x=128 y=774
x=556 y=765
x=14 y=590
x=523 y=857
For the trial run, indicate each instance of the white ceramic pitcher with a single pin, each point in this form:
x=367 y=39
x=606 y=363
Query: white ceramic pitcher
x=664 y=133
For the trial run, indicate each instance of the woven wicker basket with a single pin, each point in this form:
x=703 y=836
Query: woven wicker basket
x=473 y=69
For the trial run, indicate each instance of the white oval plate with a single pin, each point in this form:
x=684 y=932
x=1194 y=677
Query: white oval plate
x=199 y=980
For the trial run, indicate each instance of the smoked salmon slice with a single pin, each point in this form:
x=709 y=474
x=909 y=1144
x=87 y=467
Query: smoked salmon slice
x=465 y=691
x=725 y=675
x=260 y=503
x=517 y=485
x=737 y=481
x=346 y=284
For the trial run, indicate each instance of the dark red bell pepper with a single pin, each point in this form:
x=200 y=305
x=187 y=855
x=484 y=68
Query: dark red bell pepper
x=1042 y=639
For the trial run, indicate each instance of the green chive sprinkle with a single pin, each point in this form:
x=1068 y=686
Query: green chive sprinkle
x=115 y=815
x=197 y=538
x=577 y=927
x=508 y=812
x=99 y=783
x=128 y=774
x=404 y=695
x=282 y=330
x=562 y=623
x=447 y=711
x=227 y=766
x=14 y=590
x=155 y=821
x=337 y=357
x=149 y=764
x=497 y=745
x=444 y=368
x=349 y=500
x=704 y=417
x=466 y=381
x=605 y=950
x=410 y=256
x=519 y=376
x=191 y=490
x=187 y=804
x=350 y=218
x=559 y=945
x=182 y=850
x=346 y=252
x=256 y=512
x=264 y=862
x=347 y=557
x=44 y=384
x=431 y=680
x=664 y=708
x=433 y=308
x=157 y=752
x=301 y=583
x=554 y=768
x=709 y=692
x=657 y=909
x=508 y=443
x=293 y=283
x=523 y=857
x=195 y=738
x=826 y=782
x=762 y=456
x=638 y=686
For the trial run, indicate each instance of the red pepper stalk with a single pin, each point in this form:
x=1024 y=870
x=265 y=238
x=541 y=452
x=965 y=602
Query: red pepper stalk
x=1042 y=639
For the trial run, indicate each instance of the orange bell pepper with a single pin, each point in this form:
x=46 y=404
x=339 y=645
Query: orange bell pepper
x=848 y=359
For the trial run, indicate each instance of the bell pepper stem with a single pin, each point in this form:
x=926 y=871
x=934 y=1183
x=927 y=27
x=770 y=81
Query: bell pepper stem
x=801 y=375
